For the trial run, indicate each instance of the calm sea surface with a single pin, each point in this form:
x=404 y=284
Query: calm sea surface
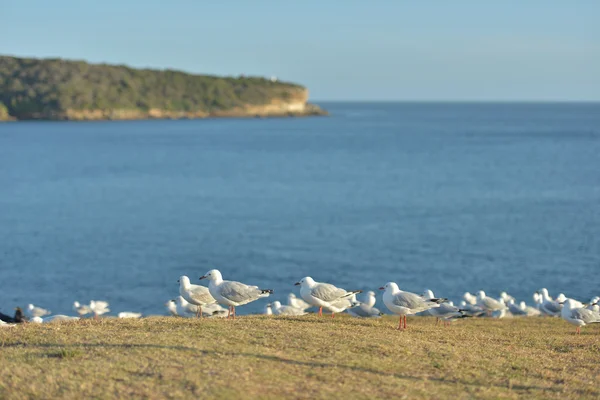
x=450 y=197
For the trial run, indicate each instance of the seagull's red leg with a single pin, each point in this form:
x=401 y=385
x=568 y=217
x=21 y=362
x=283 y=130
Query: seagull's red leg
x=320 y=311
x=233 y=311
x=400 y=324
x=229 y=313
x=332 y=314
x=405 y=322
x=200 y=309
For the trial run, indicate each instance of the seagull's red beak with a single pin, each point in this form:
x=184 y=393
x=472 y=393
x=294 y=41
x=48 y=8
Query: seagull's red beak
x=382 y=288
x=203 y=277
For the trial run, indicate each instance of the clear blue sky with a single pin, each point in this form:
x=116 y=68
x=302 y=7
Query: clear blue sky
x=341 y=50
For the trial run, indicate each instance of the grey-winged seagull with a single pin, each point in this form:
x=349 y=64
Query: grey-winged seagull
x=232 y=293
x=325 y=295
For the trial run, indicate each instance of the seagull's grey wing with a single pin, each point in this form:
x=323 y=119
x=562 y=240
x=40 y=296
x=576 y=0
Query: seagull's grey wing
x=201 y=294
x=515 y=310
x=552 y=307
x=288 y=310
x=587 y=316
x=239 y=292
x=409 y=300
x=328 y=292
x=364 y=311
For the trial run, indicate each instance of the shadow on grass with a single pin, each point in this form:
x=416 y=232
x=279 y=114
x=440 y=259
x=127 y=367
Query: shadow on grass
x=312 y=364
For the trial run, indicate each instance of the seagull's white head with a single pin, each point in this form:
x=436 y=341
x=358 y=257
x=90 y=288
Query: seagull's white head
x=276 y=305
x=428 y=294
x=291 y=296
x=30 y=307
x=511 y=301
x=481 y=294
x=370 y=293
x=561 y=298
x=595 y=300
x=569 y=304
x=306 y=282
x=543 y=292
x=213 y=275
x=184 y=282
x=76 y=304
x=390 y=287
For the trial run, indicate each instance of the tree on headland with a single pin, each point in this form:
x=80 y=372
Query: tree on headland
x=57 y=89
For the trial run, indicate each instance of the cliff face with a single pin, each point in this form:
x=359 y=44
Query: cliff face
x=69 y=90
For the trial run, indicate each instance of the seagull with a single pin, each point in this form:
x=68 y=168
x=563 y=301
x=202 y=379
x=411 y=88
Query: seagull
x=506 y=297
x=531 y=311
x=214 y=311
x=471 y=309
x=58 y=318
x=593 y=304
x=296 y=302
x=324 y=295
x=469 y=298
x=195 y=294
x=278 y=309
x=184 y=308
x=366 y=309
x=172 y=307
x=82 y=309
x=129 y=314
x=549 y=306
x=370 y=299
x=99 y=307
x=34 y=311
x=578 y=316
x=405 y=303
x=268 y=309
x=489 y=304
x=232 y=293
x=445 y=312
x=516 y=310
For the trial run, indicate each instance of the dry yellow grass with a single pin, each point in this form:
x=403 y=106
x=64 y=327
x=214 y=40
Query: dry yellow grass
x=302 y=357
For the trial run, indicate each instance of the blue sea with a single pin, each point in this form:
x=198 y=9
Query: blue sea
x=449 y=197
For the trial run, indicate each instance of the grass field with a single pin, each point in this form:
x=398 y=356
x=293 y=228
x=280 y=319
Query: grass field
x=301 y=357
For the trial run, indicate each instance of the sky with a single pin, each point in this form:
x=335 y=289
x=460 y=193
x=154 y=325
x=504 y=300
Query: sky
x=340 y=49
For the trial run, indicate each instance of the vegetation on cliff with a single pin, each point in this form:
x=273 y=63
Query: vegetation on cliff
x=60 y=89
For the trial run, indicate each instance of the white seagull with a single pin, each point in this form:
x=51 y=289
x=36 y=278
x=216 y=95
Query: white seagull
x=366 y=309
x=445 y=312
x=99 y=307
x=324 y=295
x=405 y=303
x=296 y=302
x=370 y=299
x=172 y=307
x=578 y=316
x=129 y=314
x=82 y=309
x=231 y=293
x=34 y=311
x=59 y=318
x=278 y=309
x=489 y=304
x=548 y=306
x=195 y=294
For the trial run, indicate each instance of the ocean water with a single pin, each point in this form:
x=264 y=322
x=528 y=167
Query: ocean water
x=449 y=197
